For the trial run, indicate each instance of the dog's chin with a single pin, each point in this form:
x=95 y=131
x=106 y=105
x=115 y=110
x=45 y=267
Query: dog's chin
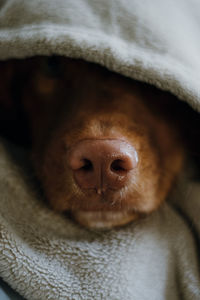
x=103 y=219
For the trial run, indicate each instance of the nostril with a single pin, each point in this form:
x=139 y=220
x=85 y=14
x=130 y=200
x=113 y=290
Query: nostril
x=87 y=165
x=122 y=166
x=117 y=166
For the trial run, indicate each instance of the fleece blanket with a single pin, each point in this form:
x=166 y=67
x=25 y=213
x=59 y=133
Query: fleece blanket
x=44 y=255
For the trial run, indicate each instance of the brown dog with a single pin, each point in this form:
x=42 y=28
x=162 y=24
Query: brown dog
x=104 y=146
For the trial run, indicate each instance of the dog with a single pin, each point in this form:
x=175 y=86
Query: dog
x=105 y=148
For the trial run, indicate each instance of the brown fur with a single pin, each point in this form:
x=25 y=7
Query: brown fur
x=85 y=101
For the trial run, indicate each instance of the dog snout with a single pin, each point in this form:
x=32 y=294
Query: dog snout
x=102 y=164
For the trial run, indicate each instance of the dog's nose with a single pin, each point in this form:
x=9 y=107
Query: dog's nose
x=102 y=164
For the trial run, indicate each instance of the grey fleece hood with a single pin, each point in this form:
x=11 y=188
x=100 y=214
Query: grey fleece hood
x=156 y=42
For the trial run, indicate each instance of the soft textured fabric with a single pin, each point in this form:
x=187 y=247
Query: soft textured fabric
x=44 y=255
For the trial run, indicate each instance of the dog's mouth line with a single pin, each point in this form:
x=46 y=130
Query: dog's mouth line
x=93 y=204
x=109 y=195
